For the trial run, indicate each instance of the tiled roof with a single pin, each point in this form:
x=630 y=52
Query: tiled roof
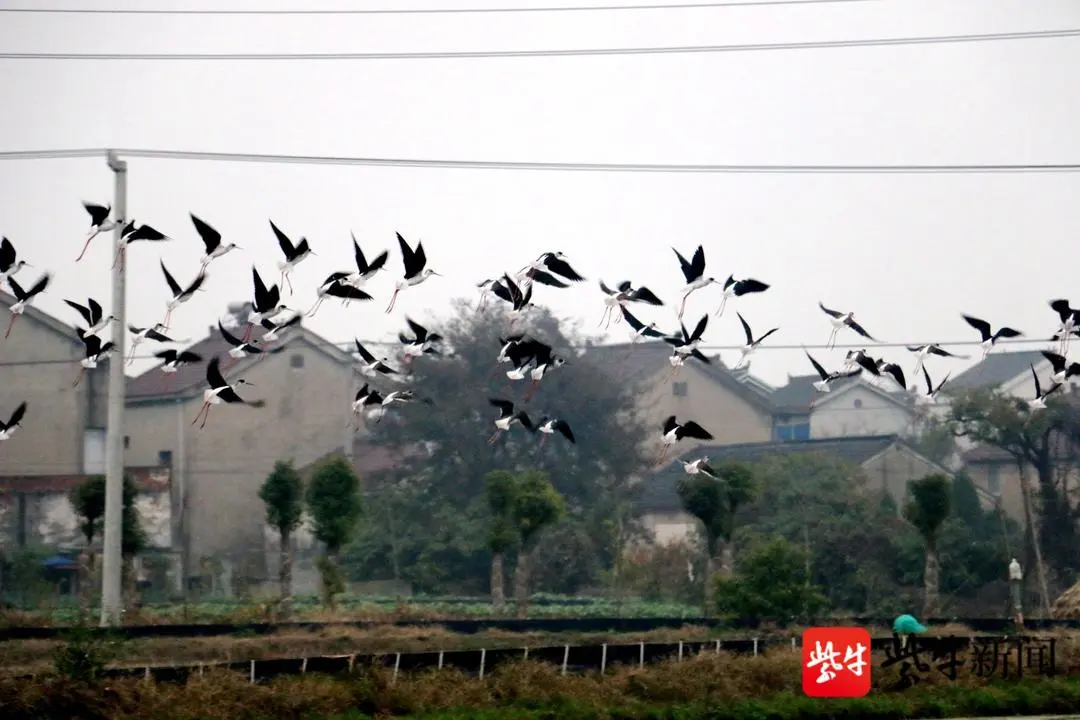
x=632 y=363
x=368 y=458
x=996 y=369
x=799 y=393
x=658 y=490
x=147 y=479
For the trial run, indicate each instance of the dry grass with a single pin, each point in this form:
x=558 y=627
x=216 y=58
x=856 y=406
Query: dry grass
x=223 y=696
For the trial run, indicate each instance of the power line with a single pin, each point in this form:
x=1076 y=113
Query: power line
x=783 y=169
x=576 y=52
x=349 y=346
x=431 y=11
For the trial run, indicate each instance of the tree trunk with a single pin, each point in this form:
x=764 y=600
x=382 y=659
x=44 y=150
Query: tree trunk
x=285 y=574
x=86 y=578
x=727 y=560
x=521 y=583
x=130 y=587
x=710 y=587
x=498 y=594
x=721 y=563
x=931 y=583
x=331 y=577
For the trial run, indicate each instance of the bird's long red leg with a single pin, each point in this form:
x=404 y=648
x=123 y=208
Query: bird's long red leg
x=720 y=310
x=201 y=410
x=14 y=317
x=247 y=332
x=289 y=281
x=682 y=305
x=393 y=299
x=85 y=246
x=119 y=256
x=205 y=417
x=543 y=440
x=78 y=378
x=532 y=390
x=493 y=438
x=131 y=354
x=168 y=316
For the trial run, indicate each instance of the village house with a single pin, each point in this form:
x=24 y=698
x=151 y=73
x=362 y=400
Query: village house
x=852 y=407
x=63 y=432
x=306 y=385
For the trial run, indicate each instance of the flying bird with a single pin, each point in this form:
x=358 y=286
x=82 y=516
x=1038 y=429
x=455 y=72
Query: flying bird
x=173 y=360
x=751 y=343
x=221 y=392
x=180 y=295
x=94 y=352
x=931 y=389
x=1069 y=317
x=624 y=293
x=1062 y=369
x=507 y=417
x=694 y=272
x=294 y=254
x=24 y=298
x=9 y=263
x=267 y=304
x=1039 y=402
x=840 y=320
x=540 y=270
x=211 y=240
x=738 y=288
x=673 y=432
x=99 y=223
x=549 y=426
x=923 y=351
x=544 y=359
x=894 y=371
x=416 y=270
x=95 y=317
x=520 y=299
x=274 y=328
x=686 y=345
x=337 y=285
x=372 y=366
x=699 y=467
x=422 y=341
x=989 y=337
x=155 y=333
x=14 y=422
x=134 y=233
x=638 y=328
x=365 y=270
x=824 y=384
x=240 y=348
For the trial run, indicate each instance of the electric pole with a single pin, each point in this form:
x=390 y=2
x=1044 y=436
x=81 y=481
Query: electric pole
x=112 y=559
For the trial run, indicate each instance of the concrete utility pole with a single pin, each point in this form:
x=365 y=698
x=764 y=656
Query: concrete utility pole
x=112 y=559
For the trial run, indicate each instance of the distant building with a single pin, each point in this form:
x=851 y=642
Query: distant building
x=852 y=407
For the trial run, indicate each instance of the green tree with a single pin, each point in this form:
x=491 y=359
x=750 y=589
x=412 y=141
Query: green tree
x=283 y=494
x=537 y=504
x=448 y=455
x=333 y=499
x=88 y=501
x=772 y=583
x=714 y=504
x=502 y=490
x=965 y=503
x=928 y=508
x=1045 y=441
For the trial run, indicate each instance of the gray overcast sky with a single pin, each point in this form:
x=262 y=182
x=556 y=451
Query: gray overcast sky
x=908 y=253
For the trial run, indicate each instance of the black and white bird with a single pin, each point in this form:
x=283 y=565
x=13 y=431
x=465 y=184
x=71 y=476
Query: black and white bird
x=1039 y=402
x=1062 y=368
x=138 y=335
x=211 y=240
x=416 y=269
x=173 y=360
x=422 y=341
x=624 y=293
x=180 y=295
x=544 y=268
x=894 y=371
x=132 y=233
x=639 y=329
x=543 y=361
x=96 y=320
x=99 y=223
x=1069 y=317
x=673 y=432
x=337 y=285
x=484 y=287
x=24 y=298
x=866 y=364
x=241 y=348
x=923 y=351
x=14 y=422
x=699 y=467
x=222 y=392
x=827 y=378
x=752 y=344
x=372 y=366
x=521 y=354
x=365 y=270
x=366 y=399
x=686 y=344
x=989 y=336
x=274 y=328
x=738 y=288
x=694 y=272
x=549 y=426
x=931 y=389
x=507 y=418
x=519 y=296
x=839 y=321
x=506 y=345
x=94 y=352
x=9 y=262
x=266 y=306
x=294 y=254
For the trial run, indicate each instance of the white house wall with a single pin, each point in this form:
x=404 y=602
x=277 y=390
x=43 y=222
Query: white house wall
x=52 y=521
x=875 y=415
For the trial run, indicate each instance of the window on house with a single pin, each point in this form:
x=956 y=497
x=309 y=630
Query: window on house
x=857 y=403
x=678 y=389
x=165 y=458
x=993 y=479
x=296 y=361
x=127 y=442
x=792 y=432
